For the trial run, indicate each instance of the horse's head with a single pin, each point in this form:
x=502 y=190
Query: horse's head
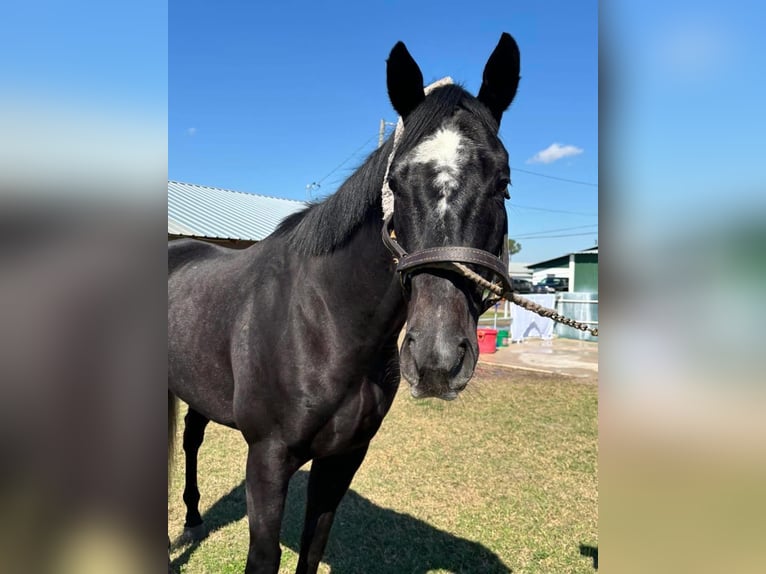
x=449 y=177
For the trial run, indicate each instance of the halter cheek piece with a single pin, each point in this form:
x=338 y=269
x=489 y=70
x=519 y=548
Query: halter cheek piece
x=451 y=259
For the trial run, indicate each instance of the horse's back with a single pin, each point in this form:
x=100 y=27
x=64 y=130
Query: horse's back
x=182 y=251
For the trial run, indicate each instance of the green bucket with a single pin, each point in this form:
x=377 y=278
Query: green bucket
x=502 y=338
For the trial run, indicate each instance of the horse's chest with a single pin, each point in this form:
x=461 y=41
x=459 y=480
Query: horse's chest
x=355 y=421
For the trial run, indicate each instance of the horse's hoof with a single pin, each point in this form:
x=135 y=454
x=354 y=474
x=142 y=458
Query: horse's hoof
x=193 y=534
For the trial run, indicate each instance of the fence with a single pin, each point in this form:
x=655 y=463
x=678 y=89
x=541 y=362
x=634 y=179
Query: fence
x=582 y=307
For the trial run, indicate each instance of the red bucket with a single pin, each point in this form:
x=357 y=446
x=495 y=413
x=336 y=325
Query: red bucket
x=487 y=340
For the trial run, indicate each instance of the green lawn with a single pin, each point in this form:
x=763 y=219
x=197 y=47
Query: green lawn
x=494 y=317
x=503 y=479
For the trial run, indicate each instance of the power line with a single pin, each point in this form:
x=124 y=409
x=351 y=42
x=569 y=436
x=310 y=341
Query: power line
x=531 y=234
x=577 y=181
x=318 y=182
x=564 y=235
x=552 y=210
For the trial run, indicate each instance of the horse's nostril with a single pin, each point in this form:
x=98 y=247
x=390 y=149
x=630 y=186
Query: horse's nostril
x=462 y=348
x=409 y=342
x=409 y=362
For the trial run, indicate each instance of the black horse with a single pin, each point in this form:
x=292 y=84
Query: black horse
x=293 y=341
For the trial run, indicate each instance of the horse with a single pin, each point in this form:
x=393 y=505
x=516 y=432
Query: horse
x=294 y=340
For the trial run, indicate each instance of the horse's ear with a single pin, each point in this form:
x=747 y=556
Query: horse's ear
x=501 y=76
x=404 y=80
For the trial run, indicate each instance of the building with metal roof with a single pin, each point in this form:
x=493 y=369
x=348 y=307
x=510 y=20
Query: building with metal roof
x=580 y=302
x=519 y=270
x=224 y=216
x=580 y=267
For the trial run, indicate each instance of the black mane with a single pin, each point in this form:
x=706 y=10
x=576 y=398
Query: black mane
x=326 y=225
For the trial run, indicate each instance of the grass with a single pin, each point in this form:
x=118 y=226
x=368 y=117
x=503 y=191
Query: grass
x=503 y=479
x=494 y=317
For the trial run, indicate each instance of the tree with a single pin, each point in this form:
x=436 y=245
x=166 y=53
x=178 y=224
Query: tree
x=513 y=247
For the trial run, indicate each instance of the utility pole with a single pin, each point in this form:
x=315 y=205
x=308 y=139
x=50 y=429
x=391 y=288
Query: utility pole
x=382 y=131
x=311 y=187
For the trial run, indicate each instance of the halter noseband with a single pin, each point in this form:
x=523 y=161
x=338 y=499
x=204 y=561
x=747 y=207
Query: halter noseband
x=451 y=259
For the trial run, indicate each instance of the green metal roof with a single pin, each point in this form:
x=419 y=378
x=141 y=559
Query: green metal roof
x=562 y=258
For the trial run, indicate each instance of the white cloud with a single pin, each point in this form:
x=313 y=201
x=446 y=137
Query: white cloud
x=191 y=131
x=554 y=152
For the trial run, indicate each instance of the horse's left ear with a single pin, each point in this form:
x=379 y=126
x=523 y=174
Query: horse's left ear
x=501 y=76
x=404 y=80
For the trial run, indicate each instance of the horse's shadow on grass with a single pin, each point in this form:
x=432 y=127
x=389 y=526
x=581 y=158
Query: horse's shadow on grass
x=364 y=538
x=590 y=552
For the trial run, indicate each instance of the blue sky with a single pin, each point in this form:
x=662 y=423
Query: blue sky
x=83 y=101
x=687 y=122
x=270 y=98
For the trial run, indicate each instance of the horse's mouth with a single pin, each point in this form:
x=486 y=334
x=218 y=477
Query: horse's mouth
x=418 y=392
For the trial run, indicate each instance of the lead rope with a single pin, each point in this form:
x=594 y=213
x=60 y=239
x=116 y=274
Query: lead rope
x=523 y=302
x=496 y=289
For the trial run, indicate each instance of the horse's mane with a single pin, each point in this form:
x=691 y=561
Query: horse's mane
x=326 y=225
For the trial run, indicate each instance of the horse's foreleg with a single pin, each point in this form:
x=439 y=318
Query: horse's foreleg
x=194 y=433
x=269 y=468
x=329 y=480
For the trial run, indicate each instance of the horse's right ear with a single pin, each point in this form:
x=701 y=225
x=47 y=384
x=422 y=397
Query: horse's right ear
x=404 y=80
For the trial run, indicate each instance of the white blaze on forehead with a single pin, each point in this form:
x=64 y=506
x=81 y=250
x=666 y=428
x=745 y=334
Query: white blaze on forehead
x=443 y=151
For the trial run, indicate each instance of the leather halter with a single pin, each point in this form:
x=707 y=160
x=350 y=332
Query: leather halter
x=446 y=258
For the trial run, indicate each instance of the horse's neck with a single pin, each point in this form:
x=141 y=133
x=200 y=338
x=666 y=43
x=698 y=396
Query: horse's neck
x=370 y=280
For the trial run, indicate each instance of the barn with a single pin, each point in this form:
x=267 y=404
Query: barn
x=519 y=270
x=581 y=301
x=231 y=218
x=580 y=267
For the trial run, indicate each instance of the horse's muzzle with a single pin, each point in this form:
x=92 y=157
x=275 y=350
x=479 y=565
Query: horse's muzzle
x=436 y=365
